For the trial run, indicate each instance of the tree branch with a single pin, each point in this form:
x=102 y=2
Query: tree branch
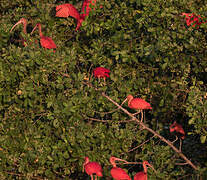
x=145 y=126
x=152 y=131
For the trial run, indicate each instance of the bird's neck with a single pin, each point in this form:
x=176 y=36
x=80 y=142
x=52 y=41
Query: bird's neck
x=25 y=28
x=129 y=100
x=145 y=169
x=40 y=30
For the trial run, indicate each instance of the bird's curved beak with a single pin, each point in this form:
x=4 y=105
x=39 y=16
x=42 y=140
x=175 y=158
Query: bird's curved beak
x=19 y=22
x=118 y=159
x=34 y=28
x=151 y=167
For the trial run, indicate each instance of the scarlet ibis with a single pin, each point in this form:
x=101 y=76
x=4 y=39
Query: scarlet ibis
x=66 y=10
x=45 y=41
x=92 y=168
x=143 y=175
x=118 y=173
x=24 y=22
x=138 y=104
x=86 y=7
x=179 y=132
x=191 y=18
x=101 y=72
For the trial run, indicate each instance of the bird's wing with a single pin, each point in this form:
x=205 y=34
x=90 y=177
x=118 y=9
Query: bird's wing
x=66 y=10
x=48 y=43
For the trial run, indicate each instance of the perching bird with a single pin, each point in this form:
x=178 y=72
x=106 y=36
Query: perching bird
x=118 y=173
x=66 y=10
x=26 y=29
x=179 y=132
x=86 y=7
x=143 y=174
x=191 y=18
x=92 y=168
x=101 y=72
x=45 y=41
x=138 y=104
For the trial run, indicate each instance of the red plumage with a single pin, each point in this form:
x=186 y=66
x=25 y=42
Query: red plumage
x=137 y=103
x=92 y=168
x=178 y=129
x=86 y=7
x=143 y=174
x=119 y=174
x=140 y=176
x=193 y=19
x=45 y=41
x=101 y=72
x=66 y=10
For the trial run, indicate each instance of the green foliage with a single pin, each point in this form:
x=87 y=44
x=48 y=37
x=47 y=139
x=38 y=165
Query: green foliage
x=50 y=120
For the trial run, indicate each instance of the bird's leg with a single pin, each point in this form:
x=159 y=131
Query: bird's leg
x=104 y=81
x=137 y=112
x=142 y=115
x=90 y=77
x=175 y=140
x=180 y=148
x=95 y=177
x=91 y=176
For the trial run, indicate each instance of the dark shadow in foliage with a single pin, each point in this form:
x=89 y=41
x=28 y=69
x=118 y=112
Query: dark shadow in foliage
x=80 y=176
x=202 y=76
x=52 y=12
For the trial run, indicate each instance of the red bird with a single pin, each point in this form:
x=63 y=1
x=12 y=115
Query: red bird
x=138 y=104
x=118 y=173
x=86 y=7
x=143 y=175
x=92 y=168
x=191 y=18
x=24 y=22
x=66 y=10
x=179 y=132
x=45 y=41
x=101 y=72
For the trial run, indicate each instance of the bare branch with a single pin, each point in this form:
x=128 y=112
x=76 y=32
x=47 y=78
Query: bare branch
x=146 y=127
x=152 y=131
x=140 y=144
x=105 y=121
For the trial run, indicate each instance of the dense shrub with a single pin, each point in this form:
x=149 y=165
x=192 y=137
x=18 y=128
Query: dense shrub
x=50 y=119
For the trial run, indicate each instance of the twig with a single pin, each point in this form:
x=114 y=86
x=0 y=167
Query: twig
x=184 y=176
x=181 y=164
x=21 y=175
x=105 y=121
x=99 y=120
x=141 y=144
x=109 y=112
